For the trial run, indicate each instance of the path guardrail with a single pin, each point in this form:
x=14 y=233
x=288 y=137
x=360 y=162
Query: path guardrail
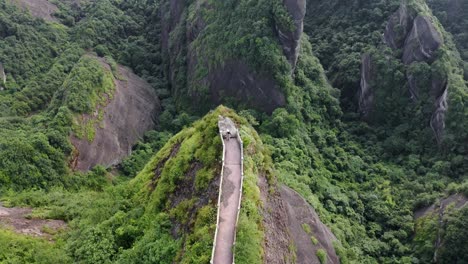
x=239 y=139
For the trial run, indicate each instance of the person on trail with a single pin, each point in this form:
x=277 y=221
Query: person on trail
x=228 y=134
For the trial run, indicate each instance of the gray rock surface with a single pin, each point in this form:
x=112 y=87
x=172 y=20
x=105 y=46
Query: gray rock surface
x=366 y=94
x=130 y=113
x=291 y=40
x=225 y=125
x=232 y=80
x=438 y=117
x=2 y=77
x=413 y=87
x=285 y=214
x=398 y=27
x=422 y=42
x=300 y=215
x=38 y=8
x=235 y=80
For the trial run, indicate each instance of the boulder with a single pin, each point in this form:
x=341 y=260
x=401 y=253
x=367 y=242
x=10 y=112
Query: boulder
x=365 y=93
x=291 y=40
x=422 y=42
x=225 y=125
x=398 y=27
x=130 y=113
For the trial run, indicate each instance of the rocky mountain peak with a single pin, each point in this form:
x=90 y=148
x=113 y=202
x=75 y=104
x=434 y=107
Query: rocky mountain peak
x=291 y=40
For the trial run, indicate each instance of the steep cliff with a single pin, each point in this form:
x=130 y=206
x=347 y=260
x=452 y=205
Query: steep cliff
x=291 y=39
x=211 y=70
x=108 y=134
x=38 y=8
x=422 y=41
x=366 y=94
x=398 y=26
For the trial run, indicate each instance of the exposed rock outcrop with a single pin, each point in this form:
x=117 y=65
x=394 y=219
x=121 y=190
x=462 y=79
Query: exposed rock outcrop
x=432 y=220
x=235 y=80
x=290 y=220
x=2 y=77
x=365 y=94
x=291 y=40
x=398 y=27
x=422 y=42
x=38 y=8
x=231 y=80
x=419 y=39
x=417 y=36
x=438 y=117
x=130 y=113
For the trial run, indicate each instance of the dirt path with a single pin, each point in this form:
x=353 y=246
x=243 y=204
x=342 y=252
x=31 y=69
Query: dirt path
x=229 y=202
x=18 y=220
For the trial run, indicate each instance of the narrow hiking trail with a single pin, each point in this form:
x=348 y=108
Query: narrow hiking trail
x=231 y=189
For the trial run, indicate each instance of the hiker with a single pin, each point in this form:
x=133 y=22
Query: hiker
x=228 y=134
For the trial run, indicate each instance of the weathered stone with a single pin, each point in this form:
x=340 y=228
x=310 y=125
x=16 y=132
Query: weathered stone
x=398 y=27
x=225 y=125
x=130 y=113
x=291 y=40
x=413 y=87
x=236 y=80
x=38 y=8
x=438 y=117
x=422 y=42
x=232 y=80
x=2 y=77
x=366 y=94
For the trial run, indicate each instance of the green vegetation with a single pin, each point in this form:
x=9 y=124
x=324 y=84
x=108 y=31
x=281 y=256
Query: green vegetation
x=365 y=180
x=15 y=248
x=322 y=256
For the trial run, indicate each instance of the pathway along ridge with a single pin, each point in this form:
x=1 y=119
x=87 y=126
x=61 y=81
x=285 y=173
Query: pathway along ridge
x=230 y=194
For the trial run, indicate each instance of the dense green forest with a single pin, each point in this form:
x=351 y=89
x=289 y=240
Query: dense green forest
x=367 y=178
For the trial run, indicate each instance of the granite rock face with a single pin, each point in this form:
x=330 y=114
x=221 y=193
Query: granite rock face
x=422 y=42
x=365 y=93
x=2 y=77
x=398 y=27
x=417 y=36
x=130 y=113
x=441 y=107
x=233 y=79
x=419 y=41
x=291 y=40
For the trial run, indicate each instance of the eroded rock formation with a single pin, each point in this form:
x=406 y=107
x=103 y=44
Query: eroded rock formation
x=291 y=40
x=422 y=42
x=2 y=77
x=38 y=8
x=290 y=220
x=130 y=113
x=398 y=27
x=233 y=79
x=438 y=117
x=419 y=40
x=366 y=95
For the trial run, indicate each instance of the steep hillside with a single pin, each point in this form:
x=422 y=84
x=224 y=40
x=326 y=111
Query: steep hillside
x=107 y=134
x=167 y=213
x=352 y=115
x=38 y=8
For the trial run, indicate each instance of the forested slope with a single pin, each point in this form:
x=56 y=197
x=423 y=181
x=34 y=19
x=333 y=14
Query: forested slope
x=363 y=114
